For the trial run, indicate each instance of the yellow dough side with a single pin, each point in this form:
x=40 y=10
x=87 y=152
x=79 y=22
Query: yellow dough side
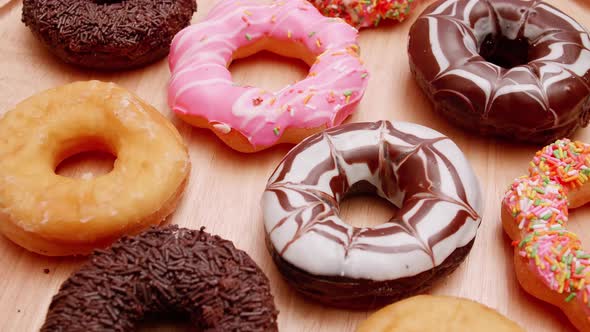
x=237 y=141
x=427 y=313
x=56 y=215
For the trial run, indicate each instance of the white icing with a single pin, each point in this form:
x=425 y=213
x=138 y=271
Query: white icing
x=343 y=255
x=443 y=63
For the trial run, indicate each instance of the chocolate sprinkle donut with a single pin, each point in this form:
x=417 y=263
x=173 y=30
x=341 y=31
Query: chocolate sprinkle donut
x=165 y=270
x=108 y=34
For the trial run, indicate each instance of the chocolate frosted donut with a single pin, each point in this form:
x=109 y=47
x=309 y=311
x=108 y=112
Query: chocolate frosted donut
x=415 y=168
x=108 y=34
x=165 y=270
x=511 y=68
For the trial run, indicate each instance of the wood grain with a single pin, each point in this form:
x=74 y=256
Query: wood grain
x=225 y=186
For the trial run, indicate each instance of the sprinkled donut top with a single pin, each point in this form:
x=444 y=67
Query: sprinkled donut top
x=101 y=26
x=569 y=161
x=165 y=270
x=365 y=13
x=539 y=204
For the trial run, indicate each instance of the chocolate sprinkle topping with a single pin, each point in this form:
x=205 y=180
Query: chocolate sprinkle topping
x=108 y=34
x=165 y=270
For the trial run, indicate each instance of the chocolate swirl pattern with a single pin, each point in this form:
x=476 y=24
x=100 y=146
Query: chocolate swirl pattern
x=514 y=68
x=415 y=168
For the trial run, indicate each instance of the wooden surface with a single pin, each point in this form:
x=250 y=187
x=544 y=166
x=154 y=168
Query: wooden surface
x=225 y=186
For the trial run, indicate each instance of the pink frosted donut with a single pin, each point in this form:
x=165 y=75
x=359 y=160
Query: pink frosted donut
x=249 y=119
x=550 y=260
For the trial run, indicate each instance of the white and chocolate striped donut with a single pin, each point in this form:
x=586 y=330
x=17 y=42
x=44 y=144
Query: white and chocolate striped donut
x=417 y=169
x=518 y=69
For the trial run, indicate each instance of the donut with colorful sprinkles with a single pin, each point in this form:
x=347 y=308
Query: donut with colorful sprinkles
x=365 y=13
x=250 y=119
x=550 y=262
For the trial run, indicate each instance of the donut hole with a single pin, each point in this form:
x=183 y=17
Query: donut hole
x=362 y=207
x=86 y=160
x=165 y=322
x=257 y=64
x=504 y=52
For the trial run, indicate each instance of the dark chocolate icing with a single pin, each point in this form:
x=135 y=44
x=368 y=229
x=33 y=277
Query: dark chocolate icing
x=512 y=68
x=413 y=167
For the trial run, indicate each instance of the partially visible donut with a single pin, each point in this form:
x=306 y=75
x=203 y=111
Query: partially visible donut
x=56 y=215
x=428 y=313
x=107 y=34
x=517 y=69
x=415 y=168
x=165 y=270
x=550 y=260
x=364 y=14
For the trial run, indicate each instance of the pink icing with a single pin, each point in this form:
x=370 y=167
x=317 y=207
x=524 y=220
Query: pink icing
x=539 y=205
x=201 y=85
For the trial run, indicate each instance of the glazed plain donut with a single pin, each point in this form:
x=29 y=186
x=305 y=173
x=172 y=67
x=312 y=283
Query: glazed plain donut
x=249 y=119
x=107 y=34
x=517 y=69
x=55 y=215
x=427 y=313
x=364 y=14
x=162 y=271
x=550 y=262
x=415 y=168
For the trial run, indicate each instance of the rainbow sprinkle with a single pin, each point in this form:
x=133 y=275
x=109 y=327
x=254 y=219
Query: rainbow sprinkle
x=568 y=161
x=539 y=206
x=365 y=13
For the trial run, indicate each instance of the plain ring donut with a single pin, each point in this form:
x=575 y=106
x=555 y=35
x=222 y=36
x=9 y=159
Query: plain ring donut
x=56 y=215
x=510 y=68
x=415 y=168
x=428 y=313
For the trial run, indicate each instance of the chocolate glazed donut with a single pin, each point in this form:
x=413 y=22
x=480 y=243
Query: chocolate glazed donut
x=163 y=271
x=512 y=68
x=415 y=168
x=107 y=34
